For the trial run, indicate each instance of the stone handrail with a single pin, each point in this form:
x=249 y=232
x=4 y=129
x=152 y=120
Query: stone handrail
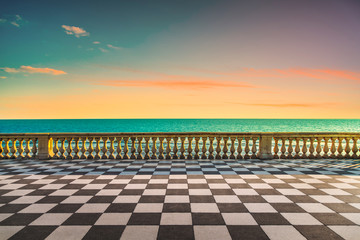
x=204 y=145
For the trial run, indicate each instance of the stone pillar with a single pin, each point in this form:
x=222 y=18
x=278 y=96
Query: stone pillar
x=43 y=147
x=265 y=147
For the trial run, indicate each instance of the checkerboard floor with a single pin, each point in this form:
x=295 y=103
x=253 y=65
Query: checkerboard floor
x=259 y=204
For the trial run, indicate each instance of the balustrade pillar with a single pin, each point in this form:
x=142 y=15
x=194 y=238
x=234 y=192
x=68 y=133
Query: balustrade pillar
x=265 y=147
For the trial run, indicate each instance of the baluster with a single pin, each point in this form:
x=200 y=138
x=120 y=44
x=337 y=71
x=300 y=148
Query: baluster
x=34 y=148
x=104 y=148
x=333 y=147
x=253 y=148
x=326 y=148
x=126 y=147
x=340 y=148
x=311 y=149
x=153 y=149
x=175 y=156
x=283 y=148
x=196 y=156
x=139 y=148
x=83 y=147
x=13 y=148
x=189 y=156
x=203 y=149
x=232 y=148
x=225 y=149
x=304 y=148
x=318 y=147
x=69 y=149
x=91 y=148
x=147 y=149
x=118 y=148
x=290 y=149
x=133 y=148
x=239 y=148
x=1 y=149
x=55 y=148
x=168 y=148
x=347 y=148
x=21 y=148
x=161 y=148
x=276 y=148
x=355 y=149
x=27 y=148
x=247 y=148
x=211 y=148
x=182 y=148
x=77 y=149
x=7 y=149
x=112 y=149
x=297 y=148
x=97 y=148
x=218 y=147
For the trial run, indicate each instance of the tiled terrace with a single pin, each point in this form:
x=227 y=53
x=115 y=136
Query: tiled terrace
x=180 y=199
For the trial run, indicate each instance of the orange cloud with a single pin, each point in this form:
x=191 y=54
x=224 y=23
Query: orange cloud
x=285 y=105
x=72 y=30
x=187 y=84
x=29 y=69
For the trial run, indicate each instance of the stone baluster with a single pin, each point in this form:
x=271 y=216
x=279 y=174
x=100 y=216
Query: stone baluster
x=69 y=149
x=304 y=148
x=7 y=149
x=182 y=148
x=176 y=149
x=247 y=148
x=76 y=149
x=147 y=149
x=355 y=148
x=1 y=149
x=276 y=148
x=55 y=148
x=203 y=148
x=13 y=148
x=290 y=149
x=347 y=147
x=21 y=148
x=318 y=147
x=254 y=148
x=112 y=148
x=118 y=148
x=218 y=147
x=27 y=148
x=340 y=148
x=283 y=148
x=34 y=149
x=196 y=156
x=97 y=148
x=104 y=148
x=139 y=148
x=153 y=149
x=83 y=147
x=326 y=147
x=126 y=147
x=232 y=148
x=225 y=149
x=133 y=148
x=311 y=149
x=161 y=148
x=333 y=147
x=91 y=148
x=297 y=148
x=239 y=148
x=168 y=148
x=189 y=150
x=211 y=148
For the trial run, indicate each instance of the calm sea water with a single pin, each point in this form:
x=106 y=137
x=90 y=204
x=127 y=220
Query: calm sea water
x=180 y=125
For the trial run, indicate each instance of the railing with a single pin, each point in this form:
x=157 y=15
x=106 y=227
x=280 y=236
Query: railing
x=179 y=145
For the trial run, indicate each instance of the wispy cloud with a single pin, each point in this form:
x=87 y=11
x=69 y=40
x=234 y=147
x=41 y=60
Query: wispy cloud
x=15 y=20
x=114 y=47
x=174 y=84
x=103 y=50
x=284 y=105
x=29 y=69
x=76 y=31
x=96 y=42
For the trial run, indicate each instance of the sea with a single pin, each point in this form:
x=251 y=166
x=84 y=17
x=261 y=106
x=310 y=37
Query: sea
x=178 y=125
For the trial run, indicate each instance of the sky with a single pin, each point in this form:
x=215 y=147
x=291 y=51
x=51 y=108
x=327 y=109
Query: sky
x=180 y=59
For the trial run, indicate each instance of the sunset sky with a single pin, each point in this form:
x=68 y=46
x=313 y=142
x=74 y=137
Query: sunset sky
x=180 y=59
